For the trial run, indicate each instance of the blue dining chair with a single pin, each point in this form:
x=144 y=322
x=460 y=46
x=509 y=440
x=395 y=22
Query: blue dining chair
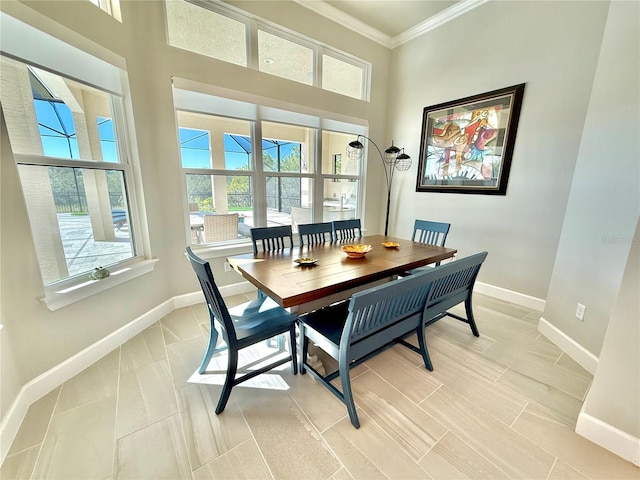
x=315 y=233
x=429 y=233
x=346 y=229
x=272 y=238
x=241 y=327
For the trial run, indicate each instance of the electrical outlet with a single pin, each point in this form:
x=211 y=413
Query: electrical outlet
x=580 y=311
x=227 y=267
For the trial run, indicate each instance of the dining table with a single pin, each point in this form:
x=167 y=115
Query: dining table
x=304 y=278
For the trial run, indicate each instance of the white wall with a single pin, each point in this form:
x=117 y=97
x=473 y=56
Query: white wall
x=610 y=415
x=497 y=45
x=604 y=203
x=598 y=261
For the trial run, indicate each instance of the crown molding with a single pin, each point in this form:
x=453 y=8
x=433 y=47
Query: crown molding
x=352 y=23
x=436 y=21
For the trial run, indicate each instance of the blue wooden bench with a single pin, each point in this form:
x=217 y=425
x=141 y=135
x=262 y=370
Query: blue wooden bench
x=372 y=320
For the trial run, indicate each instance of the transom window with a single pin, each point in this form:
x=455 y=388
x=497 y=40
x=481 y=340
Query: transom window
x=214 y=30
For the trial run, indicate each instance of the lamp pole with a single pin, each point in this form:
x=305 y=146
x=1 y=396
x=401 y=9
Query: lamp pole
x=393 y=158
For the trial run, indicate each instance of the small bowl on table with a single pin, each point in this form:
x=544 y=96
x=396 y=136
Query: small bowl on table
x=356 y=250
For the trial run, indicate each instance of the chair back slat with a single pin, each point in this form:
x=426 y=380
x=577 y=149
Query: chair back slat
x=376 y=308
x=453 y=281
x=346 y=229
x=215 y=303
x=430 y=233
x=315 y=233
x=272 y=238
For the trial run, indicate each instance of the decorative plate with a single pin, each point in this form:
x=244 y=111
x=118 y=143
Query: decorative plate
x=306 y=261
x=390 y=244
x=356 y=250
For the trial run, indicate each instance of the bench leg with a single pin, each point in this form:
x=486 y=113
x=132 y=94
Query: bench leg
x=472 y=321
x=423 y=348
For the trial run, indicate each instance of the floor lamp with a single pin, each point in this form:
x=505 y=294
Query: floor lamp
x=393 y=159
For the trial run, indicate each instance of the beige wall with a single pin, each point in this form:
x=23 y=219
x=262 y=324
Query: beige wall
x=35 y=339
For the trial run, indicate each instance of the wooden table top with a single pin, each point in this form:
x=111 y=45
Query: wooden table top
x=290 y=284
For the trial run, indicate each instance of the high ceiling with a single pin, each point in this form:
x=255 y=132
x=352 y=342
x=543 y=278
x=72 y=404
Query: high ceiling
x=392 y=17
x=391 y=22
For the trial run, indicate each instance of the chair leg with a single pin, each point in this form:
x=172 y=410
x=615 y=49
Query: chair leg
x=303 y=349
x=472 y=322
x=423 y=348
x=292 y=348
x=211 y=348
x=228 y=381
x=348 y=395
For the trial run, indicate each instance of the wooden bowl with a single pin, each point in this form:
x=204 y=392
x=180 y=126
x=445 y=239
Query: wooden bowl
x=356 y=250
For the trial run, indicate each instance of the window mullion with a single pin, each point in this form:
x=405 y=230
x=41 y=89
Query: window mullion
x=259 y=176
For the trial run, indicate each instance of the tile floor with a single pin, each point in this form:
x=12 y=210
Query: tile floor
x=499 y=406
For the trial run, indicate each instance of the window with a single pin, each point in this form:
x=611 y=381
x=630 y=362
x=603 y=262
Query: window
x=285 y=58
x=342 y=181
x=342 y=77
x=73 y=170
x=112 y=7
x=271 y=167
x=203 y=31
x=216 y=156
x=218 y=31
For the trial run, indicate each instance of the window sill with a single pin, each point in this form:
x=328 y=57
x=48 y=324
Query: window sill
x=58 y=297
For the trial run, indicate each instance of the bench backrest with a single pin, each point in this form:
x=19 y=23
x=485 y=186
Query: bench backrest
x=452 y=284
x=379 y=315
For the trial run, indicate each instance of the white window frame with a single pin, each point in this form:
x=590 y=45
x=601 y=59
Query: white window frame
x=254 y=23
x=26 y=44
x=209 y=104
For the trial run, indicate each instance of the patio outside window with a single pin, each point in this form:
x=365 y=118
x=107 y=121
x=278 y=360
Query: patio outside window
x=247 y=165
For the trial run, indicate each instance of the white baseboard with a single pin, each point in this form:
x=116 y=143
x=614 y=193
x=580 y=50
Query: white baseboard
x=609 y=437
x=48 y=381
x=568 y=345
x=510 y=296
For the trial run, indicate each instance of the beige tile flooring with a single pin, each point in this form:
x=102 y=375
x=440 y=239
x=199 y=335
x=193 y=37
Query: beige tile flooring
x=499 y=406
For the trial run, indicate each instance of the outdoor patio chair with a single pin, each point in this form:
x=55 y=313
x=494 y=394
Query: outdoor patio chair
x=220 y=227
x=315 y=233
x=346 y=229
x=241 y=327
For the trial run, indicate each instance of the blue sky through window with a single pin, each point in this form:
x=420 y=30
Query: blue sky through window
x=195 y=149
x=57 y=130
x=107 y=140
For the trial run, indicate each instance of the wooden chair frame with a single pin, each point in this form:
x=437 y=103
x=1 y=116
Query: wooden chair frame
x=315 y=233
x=241 y=327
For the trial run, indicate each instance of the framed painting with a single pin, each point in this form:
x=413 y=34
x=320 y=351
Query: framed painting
x=467 y=144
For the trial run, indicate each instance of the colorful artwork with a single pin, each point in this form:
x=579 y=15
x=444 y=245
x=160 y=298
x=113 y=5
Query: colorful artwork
x=466 y=145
